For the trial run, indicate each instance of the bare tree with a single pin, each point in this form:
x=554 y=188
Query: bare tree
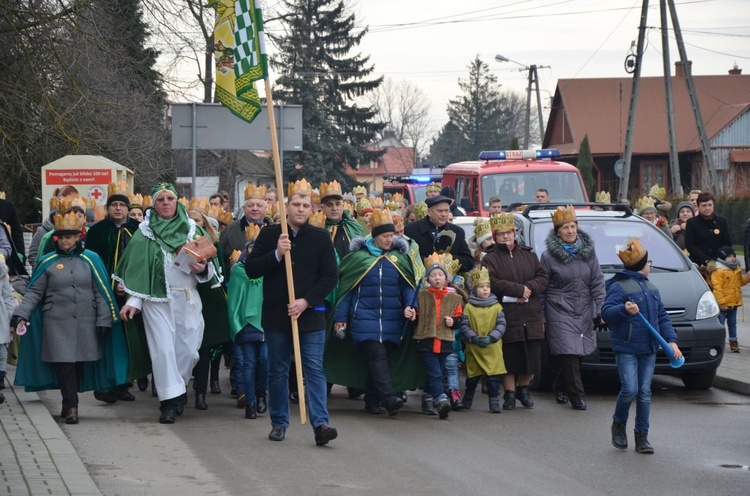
x=404 y=108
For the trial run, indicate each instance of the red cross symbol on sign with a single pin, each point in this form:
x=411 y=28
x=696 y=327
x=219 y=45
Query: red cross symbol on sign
x=96 y=193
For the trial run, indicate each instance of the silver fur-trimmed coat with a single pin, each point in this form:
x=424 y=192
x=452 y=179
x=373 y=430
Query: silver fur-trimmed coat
x=574 y=296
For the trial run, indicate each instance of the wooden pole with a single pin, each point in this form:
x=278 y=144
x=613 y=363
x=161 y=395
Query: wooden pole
x=287 y=255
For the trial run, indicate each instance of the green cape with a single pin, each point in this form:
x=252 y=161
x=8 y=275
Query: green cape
x=103 y=238
x=347 y=366
x=142 y=270
x=245 y=300
x=109 y=371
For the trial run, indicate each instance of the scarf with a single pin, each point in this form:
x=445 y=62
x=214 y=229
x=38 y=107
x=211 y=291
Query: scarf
x=574 y=248
x=170 y=234
x=374 y=250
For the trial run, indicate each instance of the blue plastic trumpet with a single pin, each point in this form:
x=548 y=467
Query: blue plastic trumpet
x=676 y=363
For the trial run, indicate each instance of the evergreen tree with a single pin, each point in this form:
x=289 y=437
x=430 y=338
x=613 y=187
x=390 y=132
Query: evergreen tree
x=514 y=144
x=479 y=113
x=586 y=165
x=450 y=146
x=318 y=72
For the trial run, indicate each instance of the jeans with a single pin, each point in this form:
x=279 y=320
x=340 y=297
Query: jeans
x=251 y=362
x=452 y=366
x=279 y=358
x=636 y=372
x=434 y=363
x=730 y=317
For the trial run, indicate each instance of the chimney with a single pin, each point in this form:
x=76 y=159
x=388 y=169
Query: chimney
x=679 y=70
x=735 y=71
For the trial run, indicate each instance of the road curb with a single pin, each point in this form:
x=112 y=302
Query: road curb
x=732 y=385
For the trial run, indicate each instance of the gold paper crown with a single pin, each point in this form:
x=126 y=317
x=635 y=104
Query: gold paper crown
x=118 y=188
x=391 y=205
x=99 y=212
x=54 y=203
x=2 y=195
x=136 y=200
x=234 y=257
x=376 y=203
x=66 y=204
x=420 y=210
x=362 y=205
x=251 y=233
x=315 y=197
x=603 y=197
x=502 y=222
x=184 y=201
x=563 y=215
x=657 y=192
x=398 y=220
x=444 y=260
x=317 y=219
x=380 y=218
x=301 y=187
x=220 y=215
x=273 y=209
x=631 y=252
x=147 y=202
x=644 y=203
x=332 y=188
x=479 y=276
x=199 y=204
x=482 y=230
x=255 y=192
x=68 y=222
x=349 y=205
x=359 y=190
x=90 y=203
x=397 y=198
x=434 y=187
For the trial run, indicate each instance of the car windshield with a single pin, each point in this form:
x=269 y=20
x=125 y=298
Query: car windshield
x=520 y=187
x=610 y=232
x=419 y=192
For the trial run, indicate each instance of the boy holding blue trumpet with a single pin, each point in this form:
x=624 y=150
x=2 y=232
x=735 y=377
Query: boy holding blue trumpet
x=628 y=293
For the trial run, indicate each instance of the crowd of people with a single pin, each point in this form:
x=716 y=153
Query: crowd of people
x=387 y=297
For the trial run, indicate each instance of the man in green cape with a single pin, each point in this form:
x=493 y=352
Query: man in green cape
x=108 y=238
x=167 y=295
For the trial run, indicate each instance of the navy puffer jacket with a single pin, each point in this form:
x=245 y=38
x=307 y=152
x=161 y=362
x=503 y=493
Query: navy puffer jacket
x=373 y=310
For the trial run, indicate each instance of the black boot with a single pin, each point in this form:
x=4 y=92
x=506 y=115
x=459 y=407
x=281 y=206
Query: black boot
x=524 y=397
x=2 y=379
x=168 y=412
x=619 y=436
x=261 y=405
x=215 y=388
x=641 y=443
x=200 y=401
x=427 y=405
x=443 y=407
x=455 y=396
x=495 y=405
x=153 y=387
x=180 y=403
x=510 y=400
x=250 y=411
x=469 y=396
x=142 y=383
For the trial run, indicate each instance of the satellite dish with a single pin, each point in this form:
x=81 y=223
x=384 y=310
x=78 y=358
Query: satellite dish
x=618 y=168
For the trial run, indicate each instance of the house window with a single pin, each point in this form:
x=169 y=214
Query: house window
x=653 y=173
x=185 y=190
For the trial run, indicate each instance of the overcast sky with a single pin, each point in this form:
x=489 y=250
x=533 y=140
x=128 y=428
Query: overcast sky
x=431 y=43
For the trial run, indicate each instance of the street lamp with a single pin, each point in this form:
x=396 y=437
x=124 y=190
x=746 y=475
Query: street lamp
x=533 y=78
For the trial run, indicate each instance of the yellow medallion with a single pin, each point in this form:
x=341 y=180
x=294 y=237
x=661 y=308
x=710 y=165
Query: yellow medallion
x=393 y=258
x=716 y=232
x=59 y=266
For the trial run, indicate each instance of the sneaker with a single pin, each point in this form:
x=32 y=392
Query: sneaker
x=443 y=407
x=734 y=346
x=278 y=433
x=325 y=433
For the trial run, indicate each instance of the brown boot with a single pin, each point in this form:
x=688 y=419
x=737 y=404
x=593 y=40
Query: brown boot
x=734 y=347
x=72 y=417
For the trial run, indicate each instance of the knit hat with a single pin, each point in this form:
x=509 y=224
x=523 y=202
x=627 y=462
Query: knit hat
x=682 y=205
x=724 y=252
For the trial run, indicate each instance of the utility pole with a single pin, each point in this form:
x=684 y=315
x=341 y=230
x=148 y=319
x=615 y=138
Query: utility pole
x=674 y=162
x=533 y=80
x=625 y=180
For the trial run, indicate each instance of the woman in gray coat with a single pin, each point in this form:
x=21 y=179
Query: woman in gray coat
x=75 y=313
x=572 y=303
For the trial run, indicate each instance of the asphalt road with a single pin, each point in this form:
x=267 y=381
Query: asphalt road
x=550 y=449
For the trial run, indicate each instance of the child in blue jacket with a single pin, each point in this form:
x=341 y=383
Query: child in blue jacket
x=628 y=293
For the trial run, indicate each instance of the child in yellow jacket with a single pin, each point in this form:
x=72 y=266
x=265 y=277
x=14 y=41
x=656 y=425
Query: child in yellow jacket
x=727 y=281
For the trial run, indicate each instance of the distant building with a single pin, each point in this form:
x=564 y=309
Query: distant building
x=397 y=160
x=599 y=108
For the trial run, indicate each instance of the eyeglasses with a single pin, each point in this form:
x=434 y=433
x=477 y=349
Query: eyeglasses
x=650 y=263
x=504 y=233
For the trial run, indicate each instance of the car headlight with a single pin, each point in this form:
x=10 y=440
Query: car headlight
x=707 y=306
